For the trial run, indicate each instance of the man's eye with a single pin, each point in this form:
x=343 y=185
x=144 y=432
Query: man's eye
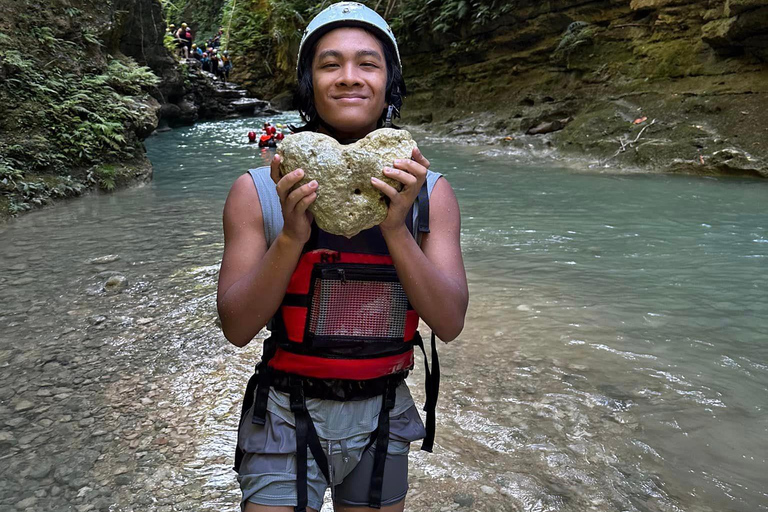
x=371 y=64
x=331 y=64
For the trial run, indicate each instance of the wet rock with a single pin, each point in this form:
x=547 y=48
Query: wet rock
x=549 y=126
x=116 y=283
x=283 y=101
x=109 y=258
x=249 y=105
x=187 y=111
x=23 y=405
x=463 y=499
x=487 y=490
x=26 y=503
x=732 y=160
x=346 y=201
x=40 y=470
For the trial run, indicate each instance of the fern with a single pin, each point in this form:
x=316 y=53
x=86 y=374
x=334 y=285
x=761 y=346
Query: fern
x=90 y=37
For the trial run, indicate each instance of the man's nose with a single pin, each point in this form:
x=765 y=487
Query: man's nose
x=349 y=75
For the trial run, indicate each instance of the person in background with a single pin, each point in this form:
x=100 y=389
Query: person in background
x=205 y=60
x=181 y=37
x=188 y=41
x=217 y=39
x=226 y=65
x=197 y=53
x=214 y=62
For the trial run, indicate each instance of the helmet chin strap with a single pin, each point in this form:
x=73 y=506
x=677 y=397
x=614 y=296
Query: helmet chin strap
x=388 y=120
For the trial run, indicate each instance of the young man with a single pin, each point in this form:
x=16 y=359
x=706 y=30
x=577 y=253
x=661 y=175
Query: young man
x=329 y=405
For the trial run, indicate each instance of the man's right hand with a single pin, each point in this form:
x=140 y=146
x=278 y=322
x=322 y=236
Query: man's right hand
x=297 y=221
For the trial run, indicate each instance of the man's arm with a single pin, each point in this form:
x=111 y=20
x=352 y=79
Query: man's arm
x=433 y=276
x=253 y=279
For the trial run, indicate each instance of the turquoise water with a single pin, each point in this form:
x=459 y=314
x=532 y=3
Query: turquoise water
x=615 y=355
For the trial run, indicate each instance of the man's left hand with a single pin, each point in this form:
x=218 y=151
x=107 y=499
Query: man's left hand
x=412 y=174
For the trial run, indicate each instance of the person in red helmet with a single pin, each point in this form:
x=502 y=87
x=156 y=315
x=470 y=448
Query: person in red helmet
x=251 y=137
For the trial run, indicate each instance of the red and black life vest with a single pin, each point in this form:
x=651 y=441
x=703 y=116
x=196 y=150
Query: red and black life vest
x=345 y=330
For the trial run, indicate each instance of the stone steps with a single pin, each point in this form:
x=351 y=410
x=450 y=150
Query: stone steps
x=219 y=99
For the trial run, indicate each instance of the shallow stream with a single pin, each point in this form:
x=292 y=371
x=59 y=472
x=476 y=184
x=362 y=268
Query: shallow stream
x=615 y=355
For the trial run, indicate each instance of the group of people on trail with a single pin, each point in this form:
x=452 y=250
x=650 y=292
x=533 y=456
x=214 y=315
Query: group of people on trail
x=214 y=62
x=270 y=136
x=211 y=59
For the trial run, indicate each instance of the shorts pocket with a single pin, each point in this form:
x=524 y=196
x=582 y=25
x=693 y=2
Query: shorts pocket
x=276 y=436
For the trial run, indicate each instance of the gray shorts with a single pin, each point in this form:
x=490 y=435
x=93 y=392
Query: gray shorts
x=267 y=473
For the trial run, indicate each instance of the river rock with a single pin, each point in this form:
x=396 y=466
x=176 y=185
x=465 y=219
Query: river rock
x=346 y=201
x=109 y=258
x=116 y=283
x=464 y=499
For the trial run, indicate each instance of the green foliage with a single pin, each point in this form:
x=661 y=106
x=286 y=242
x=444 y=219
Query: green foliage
x=577 y=35
x=204 y=15
x=104 y=176
x=55 y=120
x=419 y=17
x=170 y=43
x=90 y=37
x=128 y=78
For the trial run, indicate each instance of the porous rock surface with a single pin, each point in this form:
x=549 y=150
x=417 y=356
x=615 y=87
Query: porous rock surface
x=346 y=201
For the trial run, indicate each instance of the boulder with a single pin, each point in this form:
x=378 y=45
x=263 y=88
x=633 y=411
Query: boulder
x=549 y=127
x=283 y=101
x=346 y=201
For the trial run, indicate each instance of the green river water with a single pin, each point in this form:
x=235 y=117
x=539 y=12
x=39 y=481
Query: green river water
x=615 y=354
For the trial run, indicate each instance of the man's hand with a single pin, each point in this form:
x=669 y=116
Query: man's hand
x=297 y=221
x=412 y=174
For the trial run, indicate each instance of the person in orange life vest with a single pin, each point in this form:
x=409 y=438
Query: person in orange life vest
x=349 y=85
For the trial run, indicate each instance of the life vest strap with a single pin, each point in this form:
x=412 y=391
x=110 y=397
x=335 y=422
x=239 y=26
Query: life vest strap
x=423 y=209
x=264 y=373
x=432 y=386
x=306 y=437
x=381 y=435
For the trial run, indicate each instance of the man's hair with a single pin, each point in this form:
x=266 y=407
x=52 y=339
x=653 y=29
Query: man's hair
x=305 y=99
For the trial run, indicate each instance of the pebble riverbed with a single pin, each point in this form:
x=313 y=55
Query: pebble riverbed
x=613 y=356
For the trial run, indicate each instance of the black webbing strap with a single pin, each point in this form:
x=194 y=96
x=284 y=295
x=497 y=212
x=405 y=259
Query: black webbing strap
x=306 y=437
x=264 y=382
x=381 y=435
x=262 y=394
x=247 y=401
x=432 y=385
x=423 y=200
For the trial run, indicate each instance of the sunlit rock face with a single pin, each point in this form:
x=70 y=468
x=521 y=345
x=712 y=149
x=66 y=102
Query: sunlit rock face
x=346 y=201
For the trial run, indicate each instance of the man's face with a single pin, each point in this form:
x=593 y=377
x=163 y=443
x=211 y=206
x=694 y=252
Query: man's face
x=349 y=77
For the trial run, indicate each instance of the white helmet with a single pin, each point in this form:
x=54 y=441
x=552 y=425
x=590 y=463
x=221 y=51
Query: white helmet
x=346 y=14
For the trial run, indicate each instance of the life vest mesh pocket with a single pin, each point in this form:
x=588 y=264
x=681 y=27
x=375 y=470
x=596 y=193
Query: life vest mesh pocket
x=351 y=304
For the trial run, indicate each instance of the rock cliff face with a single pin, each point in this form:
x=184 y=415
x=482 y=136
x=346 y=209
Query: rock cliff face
x=591 y=71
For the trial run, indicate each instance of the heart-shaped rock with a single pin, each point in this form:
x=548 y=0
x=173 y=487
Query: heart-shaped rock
x=346 y=201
